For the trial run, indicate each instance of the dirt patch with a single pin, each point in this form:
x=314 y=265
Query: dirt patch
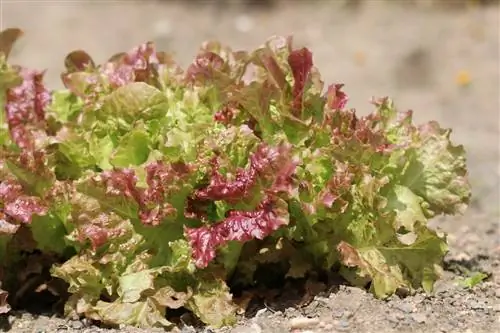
x=443 y=64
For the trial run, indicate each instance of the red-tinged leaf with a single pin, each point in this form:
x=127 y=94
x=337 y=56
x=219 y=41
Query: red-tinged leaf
x=204 y=66
x=347 y=127
x=239 y=226
x=336 y=98
x=301 y=64
x=17 y=205
x=227 y=113
x=9 y=190
x=142 y=59
x=220 y=188
x=122 y=182
x=78 y=61
x=273 y=164
x=277 y=75
x=138 y=65
x=25 y=108
x=8 y=38
x=118 y=76
x=163 y=180
x=24 y=207
x=99 y=229
x=339 y=184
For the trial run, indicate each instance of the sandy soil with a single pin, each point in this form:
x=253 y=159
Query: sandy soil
x=419 y=56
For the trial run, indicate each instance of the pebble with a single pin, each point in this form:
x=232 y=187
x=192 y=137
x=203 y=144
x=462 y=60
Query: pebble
x=399 y=316
x=406 y=307
x=348 y=314
x=419 y=318
x=303 y=323
x=497 y=293
x=392 y=319
x=77 y=325
x=260 y=312
x=188 y=329
x=326 y=327
x=476 y=305
x=254 y=328
x=342 y=325
x=337 y=313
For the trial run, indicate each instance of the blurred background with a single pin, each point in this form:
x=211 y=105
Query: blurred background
x=437 y=57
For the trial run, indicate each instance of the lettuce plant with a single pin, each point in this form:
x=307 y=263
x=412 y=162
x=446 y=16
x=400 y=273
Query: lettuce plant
x=153 y=188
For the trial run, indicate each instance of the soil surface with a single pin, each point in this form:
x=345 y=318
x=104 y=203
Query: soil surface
x=441 y=62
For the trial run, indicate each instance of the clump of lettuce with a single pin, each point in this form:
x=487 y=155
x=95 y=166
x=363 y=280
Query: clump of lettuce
x=157 y=187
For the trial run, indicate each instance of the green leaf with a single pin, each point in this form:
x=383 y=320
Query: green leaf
x=143 y=314
x=49 y=233
x=397 y=265
x=407 y=206
x=120 y=205
x=437 y=172
x=132 y=150
x=36 y=183
x=473 y=280
x=101 y=148
x=131 y=286
x=134 y=101
x=212 y=303
x=81 y=275
x=65 y=106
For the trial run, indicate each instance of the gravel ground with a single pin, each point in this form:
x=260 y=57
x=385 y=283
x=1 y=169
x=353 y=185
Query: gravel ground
x=444 y=64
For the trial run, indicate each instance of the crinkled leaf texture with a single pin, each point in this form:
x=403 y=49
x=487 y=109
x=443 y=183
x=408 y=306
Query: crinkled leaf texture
x=155 y=188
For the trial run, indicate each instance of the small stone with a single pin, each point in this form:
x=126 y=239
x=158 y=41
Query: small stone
x=419 y=318
x=328 y=328
x=406 y=307
x=261 y=312
x=419 y=298
x=337 y=313
x=77 y=325
x=348 y=314
x=254 y=328
x=496 y=307
x=188 y=329
x=303 y=323
x=86 y=322
x=476 y=305
x=399 y=316
x=322 y=300
x=342 y=325
x=497 y=293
